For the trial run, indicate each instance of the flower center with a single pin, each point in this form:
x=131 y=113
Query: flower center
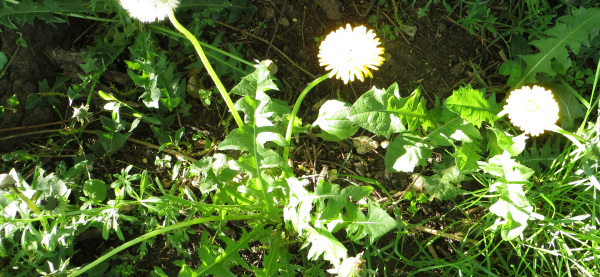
x=531 y=106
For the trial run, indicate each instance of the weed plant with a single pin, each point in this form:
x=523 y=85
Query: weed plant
x=531 y=208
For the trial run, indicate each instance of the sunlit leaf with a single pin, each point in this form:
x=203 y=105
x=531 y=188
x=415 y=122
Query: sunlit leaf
x=405 y=153
x=471 y=105
x=333 y=121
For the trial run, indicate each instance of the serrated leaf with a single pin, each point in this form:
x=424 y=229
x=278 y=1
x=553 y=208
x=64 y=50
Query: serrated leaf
x=376 y=224
x=260 y=80
x=49 y=185
x=513 y=206
x=405 y=153
x=505 y=167
x=442 y=185
x=331 y=201
x=471 y=105
x=466 y=157
x=570 y=108
x=322 y=242
x=566 y=36
x=501 y=141
x=384 y=112
x=111 y=142
x=333 y=121
x=535 y=156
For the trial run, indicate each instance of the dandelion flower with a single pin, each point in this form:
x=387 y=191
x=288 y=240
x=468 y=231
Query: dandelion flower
x=149 y=10
x=351 y=53
x=532 y=109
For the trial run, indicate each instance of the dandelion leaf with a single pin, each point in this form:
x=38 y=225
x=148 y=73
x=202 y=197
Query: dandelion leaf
x=376 y=224
x=471 y=105
x=405 y=153
x=442 y=185
x=567 y=35
x=333 y=121
x=466 y=157
x=384 y=112
x=264 y=126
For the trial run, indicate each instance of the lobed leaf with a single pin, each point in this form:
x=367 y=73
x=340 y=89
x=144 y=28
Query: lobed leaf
x=384 y=112
x=405 y=153
x=570 y=33
x=471 y=105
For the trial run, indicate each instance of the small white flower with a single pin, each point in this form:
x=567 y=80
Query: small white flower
x=149 y=10
x=533 y=109
x=351 y=53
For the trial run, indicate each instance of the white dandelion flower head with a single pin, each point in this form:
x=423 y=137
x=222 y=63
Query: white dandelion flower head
x=532 y=109
x=351 y=53
x=148 y=11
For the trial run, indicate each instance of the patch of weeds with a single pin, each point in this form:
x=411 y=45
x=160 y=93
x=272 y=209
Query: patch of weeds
x=530 y=213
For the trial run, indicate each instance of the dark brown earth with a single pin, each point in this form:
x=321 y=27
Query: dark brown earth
x=440 y=57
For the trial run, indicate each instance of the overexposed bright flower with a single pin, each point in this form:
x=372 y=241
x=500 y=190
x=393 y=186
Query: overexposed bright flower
x=532 y=109
x=149 y=10
x=350 y=53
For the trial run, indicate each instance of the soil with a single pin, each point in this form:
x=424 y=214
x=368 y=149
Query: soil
x=440 y=57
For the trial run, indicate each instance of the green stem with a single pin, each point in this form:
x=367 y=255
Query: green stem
x=169 y=32
x=577 y=140
x=208 y=67
x=31 y=205
x=288 y=134
x=162 y=231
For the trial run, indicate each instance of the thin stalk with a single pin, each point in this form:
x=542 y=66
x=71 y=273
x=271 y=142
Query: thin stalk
x=31 y=205
x=169 y=32
x=208 y=67
x=288 y=134
x=162 y=231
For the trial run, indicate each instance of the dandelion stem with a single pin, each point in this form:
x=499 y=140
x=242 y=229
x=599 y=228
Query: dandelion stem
x=288 y=134
x=577 y=140
x=208 y=67
x=31 y=205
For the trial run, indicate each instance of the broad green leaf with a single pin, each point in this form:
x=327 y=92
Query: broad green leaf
x=451 y=127
x=3 y=60
x=331 y=200
x=442 y=185
x=384 y=112
x=471 y=105
x=505 y=167
x=13 y=100
x=567 y=35
x=322 y=242
x=373 y=111
x=376 y=224
x=513 y=206
x=413 y=112
x=111 y=142
x=466 y=157
x=214 y=170
x=95 y=189
x=405 y=153
x=333 y=121
x=49 y=185
x=500 y=141
x=570 y=109
x=260 y=80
